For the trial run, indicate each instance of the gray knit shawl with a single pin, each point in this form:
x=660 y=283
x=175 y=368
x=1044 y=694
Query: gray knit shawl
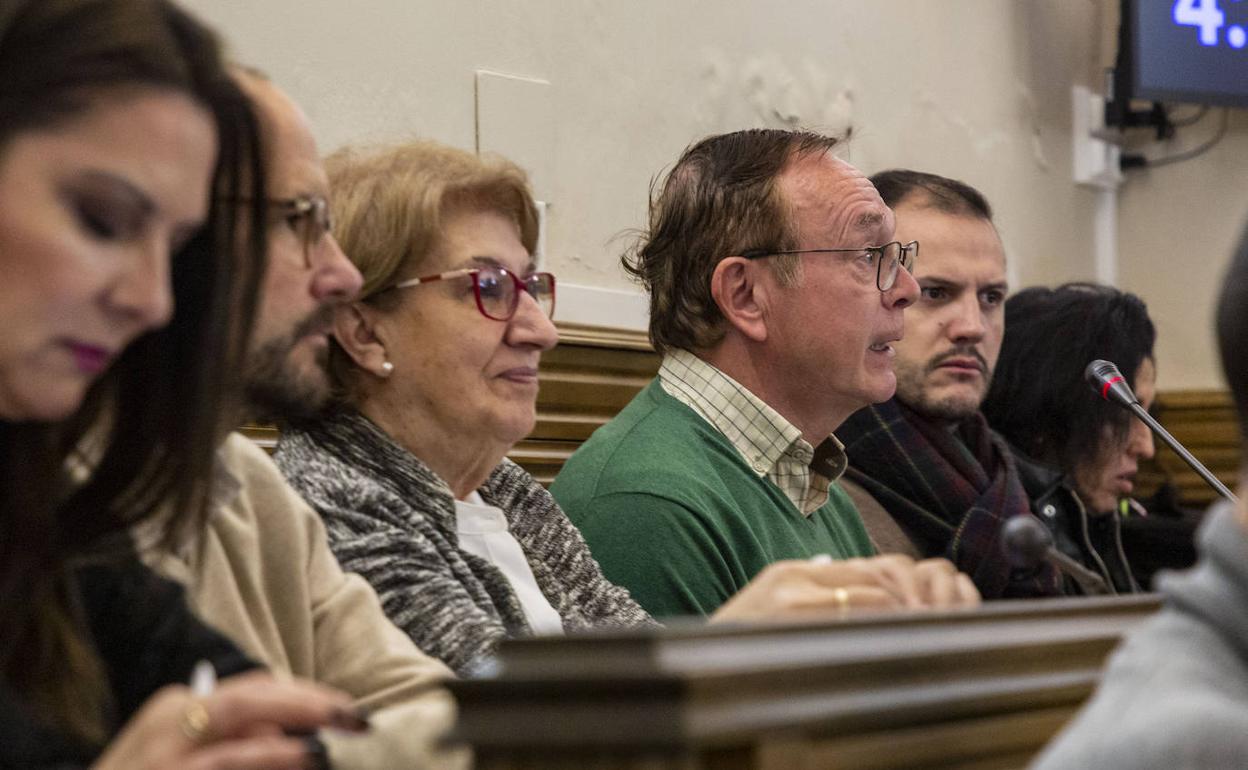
x=392 y=520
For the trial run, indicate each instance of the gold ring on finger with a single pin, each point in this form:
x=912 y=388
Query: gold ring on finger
x=841 y=595
x=196 y=724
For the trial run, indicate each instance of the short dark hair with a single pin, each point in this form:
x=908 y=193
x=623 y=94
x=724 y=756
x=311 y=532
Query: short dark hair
x=1038 y=398
x=720 y=199
x=1232 y=325
x=950 y=196
x=157 y=415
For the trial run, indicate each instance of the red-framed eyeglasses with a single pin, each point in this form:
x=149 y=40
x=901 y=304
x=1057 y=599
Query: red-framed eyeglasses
x=498 y=290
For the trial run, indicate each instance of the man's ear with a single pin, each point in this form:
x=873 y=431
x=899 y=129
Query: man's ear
x=355 y=328
x=741 y=296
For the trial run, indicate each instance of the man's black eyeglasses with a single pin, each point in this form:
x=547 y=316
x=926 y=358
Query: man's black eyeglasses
x=307 y=215
x=889 y=258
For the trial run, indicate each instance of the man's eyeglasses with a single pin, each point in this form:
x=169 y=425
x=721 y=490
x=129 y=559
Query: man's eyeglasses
x=889 y=258
x=497 y=289
x=307 y=215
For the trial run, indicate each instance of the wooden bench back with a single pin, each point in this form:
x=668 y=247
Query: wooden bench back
x=1204 y=421
x=589 y=377
x=585 y=381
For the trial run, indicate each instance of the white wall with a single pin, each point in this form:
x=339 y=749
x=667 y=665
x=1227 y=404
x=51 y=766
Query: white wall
x=977 y=89
x=1179 y=225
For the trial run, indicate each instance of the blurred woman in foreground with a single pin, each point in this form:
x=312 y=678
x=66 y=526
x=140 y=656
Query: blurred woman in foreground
x=126 y=296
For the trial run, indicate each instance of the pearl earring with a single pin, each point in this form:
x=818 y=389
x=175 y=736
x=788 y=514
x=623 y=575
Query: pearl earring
x=387 y=368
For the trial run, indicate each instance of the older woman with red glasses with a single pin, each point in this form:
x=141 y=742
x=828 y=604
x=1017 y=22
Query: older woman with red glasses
x=436 y=368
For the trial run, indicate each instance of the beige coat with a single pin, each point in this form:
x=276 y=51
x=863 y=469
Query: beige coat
x=263 y=575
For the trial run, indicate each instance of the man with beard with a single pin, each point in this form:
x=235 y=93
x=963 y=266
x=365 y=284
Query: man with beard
x=927 y=473
x=261 y=570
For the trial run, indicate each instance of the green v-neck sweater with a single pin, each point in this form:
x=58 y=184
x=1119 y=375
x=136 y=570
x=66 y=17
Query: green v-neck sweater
x=672 y=511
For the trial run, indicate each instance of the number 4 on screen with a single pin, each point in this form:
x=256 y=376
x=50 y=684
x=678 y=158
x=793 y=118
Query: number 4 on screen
x=1203 y=14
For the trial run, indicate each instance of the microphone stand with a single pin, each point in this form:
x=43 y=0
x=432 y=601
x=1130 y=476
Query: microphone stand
x=1181 y=451
x=1028 y=543
x=1105 y=379
x=1091 y=583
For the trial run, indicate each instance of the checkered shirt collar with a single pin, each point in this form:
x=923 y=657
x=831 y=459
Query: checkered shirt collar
x=769 y=443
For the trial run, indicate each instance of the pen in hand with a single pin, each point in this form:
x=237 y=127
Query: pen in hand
x=203 y=679
x=196 y=722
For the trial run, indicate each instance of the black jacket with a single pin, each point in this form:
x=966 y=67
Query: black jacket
x=146 y=638
x=1094 y=541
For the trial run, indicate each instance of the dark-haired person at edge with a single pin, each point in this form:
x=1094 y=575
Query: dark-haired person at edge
x=1077 y=454
x=928 y=475
x=261 y=570
x=1175 y=693
x=776 y=295
x=125 y=302
x=436 y=367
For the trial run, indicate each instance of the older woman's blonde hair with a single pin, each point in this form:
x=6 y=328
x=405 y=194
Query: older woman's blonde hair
x=389 y=203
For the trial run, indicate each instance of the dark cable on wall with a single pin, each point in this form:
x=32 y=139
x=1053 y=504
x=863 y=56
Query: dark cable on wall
x=1142 y=161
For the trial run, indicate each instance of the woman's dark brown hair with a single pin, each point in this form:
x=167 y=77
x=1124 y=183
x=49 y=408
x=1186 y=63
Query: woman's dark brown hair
x=155 y=417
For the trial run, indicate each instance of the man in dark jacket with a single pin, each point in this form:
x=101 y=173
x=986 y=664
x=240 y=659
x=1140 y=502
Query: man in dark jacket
x=926 y=472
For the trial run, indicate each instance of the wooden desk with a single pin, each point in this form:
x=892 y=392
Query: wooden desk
x=983 y=689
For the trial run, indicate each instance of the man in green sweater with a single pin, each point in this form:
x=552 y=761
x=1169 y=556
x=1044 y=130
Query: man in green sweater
x=775 y=294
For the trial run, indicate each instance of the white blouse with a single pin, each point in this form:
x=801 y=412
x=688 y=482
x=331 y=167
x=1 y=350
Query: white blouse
x=483 y=532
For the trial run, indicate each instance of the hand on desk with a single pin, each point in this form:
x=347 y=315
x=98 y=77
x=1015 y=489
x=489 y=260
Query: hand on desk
x=796 y=588
x=250 y=721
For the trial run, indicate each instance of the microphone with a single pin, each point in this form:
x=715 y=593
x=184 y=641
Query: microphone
x=1028 y=543
x=1105 y=379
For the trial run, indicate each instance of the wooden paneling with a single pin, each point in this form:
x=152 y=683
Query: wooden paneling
x=590 y=376
x=981 y=689
x=264 y=435
x=1204 y=421
x=585 y=381
x=593 y=373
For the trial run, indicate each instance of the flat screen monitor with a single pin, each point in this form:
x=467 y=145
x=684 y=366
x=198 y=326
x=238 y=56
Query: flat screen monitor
x=1189 y=50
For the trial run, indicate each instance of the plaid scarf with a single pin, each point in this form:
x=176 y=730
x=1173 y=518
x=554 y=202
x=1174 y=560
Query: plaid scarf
x=950 y=490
